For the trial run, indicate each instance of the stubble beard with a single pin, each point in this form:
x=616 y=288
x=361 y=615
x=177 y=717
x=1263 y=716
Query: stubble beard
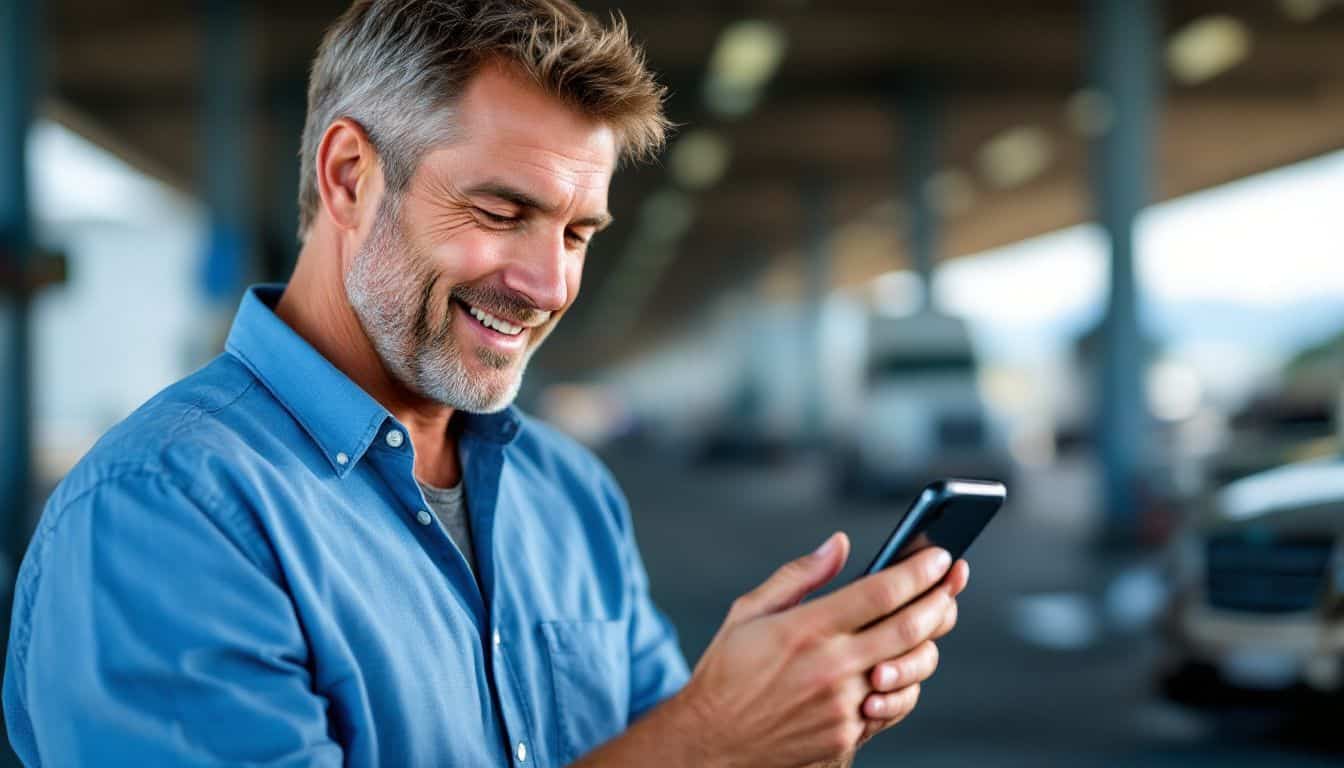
x=390 y=286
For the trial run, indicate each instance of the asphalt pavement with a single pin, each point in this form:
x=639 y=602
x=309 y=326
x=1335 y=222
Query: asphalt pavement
x=1053 y=659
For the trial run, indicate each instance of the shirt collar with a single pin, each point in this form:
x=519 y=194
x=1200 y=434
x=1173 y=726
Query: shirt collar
x=336 y=413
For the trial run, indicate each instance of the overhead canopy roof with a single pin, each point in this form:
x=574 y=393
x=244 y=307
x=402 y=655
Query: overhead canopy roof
x=830 y=115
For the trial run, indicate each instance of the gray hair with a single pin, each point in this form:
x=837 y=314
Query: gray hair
x=396 y=67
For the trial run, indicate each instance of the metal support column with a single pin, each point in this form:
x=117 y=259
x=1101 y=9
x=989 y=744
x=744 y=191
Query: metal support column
x=19 y=63
x=288 y=103
x=18 y=84
x=921 y=162
x=816 y=200
x=226 y=128
x=1123 y=40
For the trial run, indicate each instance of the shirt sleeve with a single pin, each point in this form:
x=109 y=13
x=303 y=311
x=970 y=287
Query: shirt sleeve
x=147 y=630
x=657 y=666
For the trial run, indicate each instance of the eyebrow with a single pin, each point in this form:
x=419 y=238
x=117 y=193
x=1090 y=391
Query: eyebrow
x=524 y=200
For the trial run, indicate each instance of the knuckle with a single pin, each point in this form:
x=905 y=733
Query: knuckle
x=909 y=698
x=823 y=681
x=799 y=639
x=789 y=571
x=950 y=618
x=933 y=657
x=826 y=657
x=904 y=674
x=838 y=711
x=907 y=630
x=853 y=733
x=837 y=740
x=889 y=594
x=844 y=737
x=889 y=670
x=740 y=606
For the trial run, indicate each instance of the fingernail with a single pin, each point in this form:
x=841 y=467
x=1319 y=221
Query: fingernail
x=943 y=560
x=886 y=677
x=826 y=548
x=876 y=705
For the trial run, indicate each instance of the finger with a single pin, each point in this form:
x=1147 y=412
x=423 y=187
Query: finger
x=793 y=581
x=914 y=667
x=904 y=630
x=881 y=594
x=949 y=621
x=957 y=578
x=891 y=708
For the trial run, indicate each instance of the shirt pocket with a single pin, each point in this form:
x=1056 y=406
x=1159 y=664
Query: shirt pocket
x=590 y=675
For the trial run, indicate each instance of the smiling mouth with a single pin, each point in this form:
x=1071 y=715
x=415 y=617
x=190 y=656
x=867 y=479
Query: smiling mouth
x=494 y=323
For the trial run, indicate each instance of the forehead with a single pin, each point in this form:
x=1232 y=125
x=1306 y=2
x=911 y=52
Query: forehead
x=510 y=128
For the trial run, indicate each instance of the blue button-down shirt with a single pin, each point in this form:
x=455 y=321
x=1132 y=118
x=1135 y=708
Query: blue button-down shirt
x=241 y=572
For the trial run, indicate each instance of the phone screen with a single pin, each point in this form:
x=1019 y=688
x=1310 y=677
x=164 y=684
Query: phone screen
x=948 y=514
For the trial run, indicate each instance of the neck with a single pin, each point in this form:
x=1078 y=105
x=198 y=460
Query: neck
x=314 y=304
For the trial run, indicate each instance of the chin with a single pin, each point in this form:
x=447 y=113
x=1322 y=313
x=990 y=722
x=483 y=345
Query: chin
x=499 y=393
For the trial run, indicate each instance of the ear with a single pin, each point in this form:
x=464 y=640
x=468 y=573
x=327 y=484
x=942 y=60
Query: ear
x=349 y=177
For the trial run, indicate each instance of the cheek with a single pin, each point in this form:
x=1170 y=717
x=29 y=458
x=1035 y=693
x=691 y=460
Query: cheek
x=466 y=258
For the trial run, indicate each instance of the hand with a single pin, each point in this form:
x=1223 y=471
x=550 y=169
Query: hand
x=784 y=684
x=896 y=682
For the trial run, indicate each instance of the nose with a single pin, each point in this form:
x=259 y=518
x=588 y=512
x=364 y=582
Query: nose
x=540 y=274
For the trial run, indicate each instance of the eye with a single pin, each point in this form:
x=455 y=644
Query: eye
x=576 y=240
x=495 y=218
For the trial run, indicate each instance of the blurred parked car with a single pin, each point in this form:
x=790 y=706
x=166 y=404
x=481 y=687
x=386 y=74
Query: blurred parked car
x=1288 y=425
x=1258 y=603
x=921 y=415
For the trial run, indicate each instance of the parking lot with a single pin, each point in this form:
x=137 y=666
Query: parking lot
x=1053 y=659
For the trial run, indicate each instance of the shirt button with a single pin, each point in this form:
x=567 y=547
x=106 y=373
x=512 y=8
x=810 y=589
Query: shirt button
x=497 y=638
x=394 y=438
x=522 y=752
x=423 y=517
x=342 y=459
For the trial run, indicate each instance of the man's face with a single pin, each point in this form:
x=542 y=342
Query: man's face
x=458 y=284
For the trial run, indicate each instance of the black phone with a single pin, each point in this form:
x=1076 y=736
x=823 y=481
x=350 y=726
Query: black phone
x=948 y=514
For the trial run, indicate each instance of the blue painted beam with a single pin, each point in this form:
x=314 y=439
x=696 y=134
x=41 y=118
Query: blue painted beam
x=1122 y=37
x=227 y=116
x=920 y=157
x=19 y=65
x=18 y=83
x=816 y=197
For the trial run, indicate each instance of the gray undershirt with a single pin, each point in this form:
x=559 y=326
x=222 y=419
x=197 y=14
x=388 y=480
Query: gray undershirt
x=451 y=509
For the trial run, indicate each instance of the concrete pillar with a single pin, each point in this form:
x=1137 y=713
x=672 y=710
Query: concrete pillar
x=1122 y=38
x=227 y=116
x=816 y=198
x=287 y=106
x=920 y=161
x=19 y=63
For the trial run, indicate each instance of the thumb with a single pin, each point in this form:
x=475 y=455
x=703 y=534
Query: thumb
x=793 y=581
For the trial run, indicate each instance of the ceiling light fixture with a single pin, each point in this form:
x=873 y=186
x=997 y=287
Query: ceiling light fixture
x=1207 y=47
x=951 y=192
x=1016 y=156
x=698 y=159
x=745 y=58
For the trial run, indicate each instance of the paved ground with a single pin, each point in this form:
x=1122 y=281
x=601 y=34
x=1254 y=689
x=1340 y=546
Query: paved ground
x=1039 y=672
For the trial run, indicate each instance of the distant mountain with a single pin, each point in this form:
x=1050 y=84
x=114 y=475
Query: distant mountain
x=1287 y=327
x=1284 y=329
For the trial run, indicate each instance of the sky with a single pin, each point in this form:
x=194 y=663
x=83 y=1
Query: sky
x=1252 y=269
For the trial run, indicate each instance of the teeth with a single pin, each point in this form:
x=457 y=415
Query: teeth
x=490 y=321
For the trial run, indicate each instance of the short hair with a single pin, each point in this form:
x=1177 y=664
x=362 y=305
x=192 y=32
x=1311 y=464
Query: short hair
x=397 y=67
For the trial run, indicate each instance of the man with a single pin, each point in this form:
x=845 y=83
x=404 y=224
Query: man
x=338 y=543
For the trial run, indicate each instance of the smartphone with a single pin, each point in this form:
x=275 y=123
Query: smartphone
x=948 y=514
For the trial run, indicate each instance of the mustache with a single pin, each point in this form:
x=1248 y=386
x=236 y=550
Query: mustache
x=506 y=304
